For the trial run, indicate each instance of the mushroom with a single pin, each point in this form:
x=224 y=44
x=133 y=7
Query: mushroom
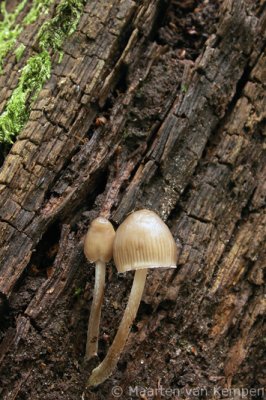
x=98 y=248
x=142 y=241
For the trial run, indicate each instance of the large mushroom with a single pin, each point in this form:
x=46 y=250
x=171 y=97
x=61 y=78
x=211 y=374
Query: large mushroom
x=142 y=241
x=98 y=248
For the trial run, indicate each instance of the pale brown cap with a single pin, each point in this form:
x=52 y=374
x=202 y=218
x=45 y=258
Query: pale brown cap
x=98 y=245
x=144 y=241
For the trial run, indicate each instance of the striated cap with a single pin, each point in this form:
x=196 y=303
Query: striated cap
x=144 y=241
x=98 y=245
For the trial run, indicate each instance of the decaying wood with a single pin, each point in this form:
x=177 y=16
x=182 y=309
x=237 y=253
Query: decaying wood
x=196 y=158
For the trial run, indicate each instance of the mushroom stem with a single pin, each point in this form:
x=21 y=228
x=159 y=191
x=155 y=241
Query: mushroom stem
x=95 y=315
x=105 y=369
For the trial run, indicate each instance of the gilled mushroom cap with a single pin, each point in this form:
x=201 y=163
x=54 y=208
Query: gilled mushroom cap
x=98 y=245
x=144 y=241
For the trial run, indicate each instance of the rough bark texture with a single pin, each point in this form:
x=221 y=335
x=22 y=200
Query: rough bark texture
x=183 y=133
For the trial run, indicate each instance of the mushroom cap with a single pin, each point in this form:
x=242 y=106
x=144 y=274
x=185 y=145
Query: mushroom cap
x=144 y=241
x=98 y=245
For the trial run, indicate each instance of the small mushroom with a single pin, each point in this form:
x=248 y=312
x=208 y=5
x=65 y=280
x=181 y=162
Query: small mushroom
x=98 y=248
x=142 y=241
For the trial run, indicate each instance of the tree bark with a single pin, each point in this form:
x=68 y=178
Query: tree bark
x=128 y=122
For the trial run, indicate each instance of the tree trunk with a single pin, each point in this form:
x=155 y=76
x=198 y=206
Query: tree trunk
x=139 y=112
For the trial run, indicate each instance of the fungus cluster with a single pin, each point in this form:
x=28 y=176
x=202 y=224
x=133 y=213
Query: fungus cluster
x=142 y=241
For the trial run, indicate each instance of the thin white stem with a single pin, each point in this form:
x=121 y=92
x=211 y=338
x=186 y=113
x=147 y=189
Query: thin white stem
x=95 y=315
x=107 y=366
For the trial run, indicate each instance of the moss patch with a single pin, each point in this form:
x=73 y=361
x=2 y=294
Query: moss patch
x=10 y=30
x=19 y=51
x=38 y=7
x=34 y=74
x=54 y=32
x=38 y=68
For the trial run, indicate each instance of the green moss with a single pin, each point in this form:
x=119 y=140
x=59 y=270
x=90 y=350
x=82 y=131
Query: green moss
x=54 y=32
x=38 y=68
x=19 y=51
x=9 y=30
x=78 y=291
x=38 y=7
x=60 y=58
x=184 y=88
x=34 y=74
x=10 y=18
